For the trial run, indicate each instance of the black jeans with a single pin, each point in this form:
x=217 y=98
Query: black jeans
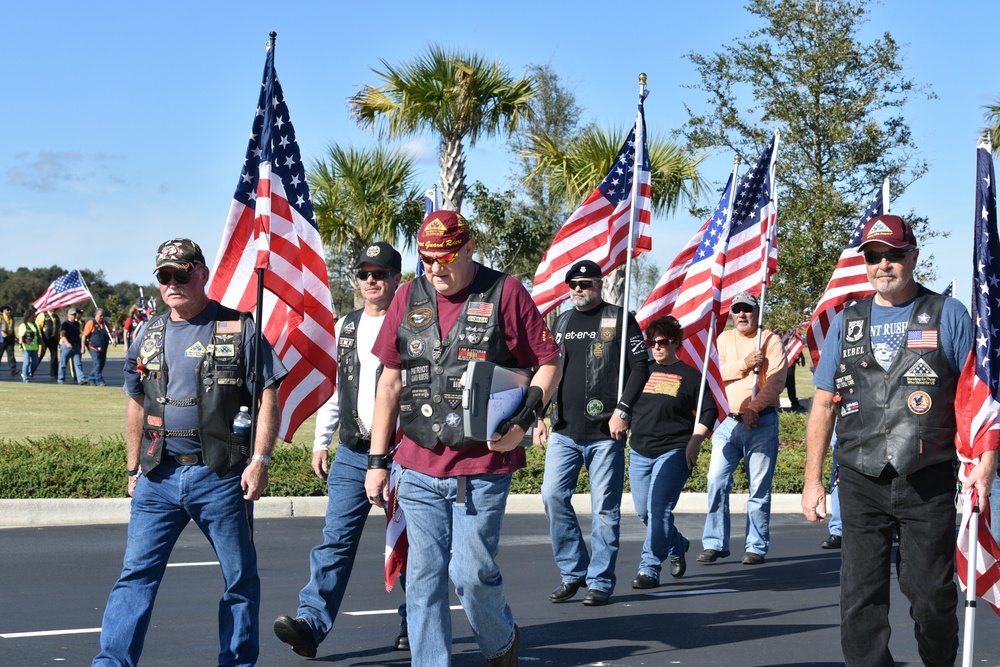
x=921 y=508
x=7 y=346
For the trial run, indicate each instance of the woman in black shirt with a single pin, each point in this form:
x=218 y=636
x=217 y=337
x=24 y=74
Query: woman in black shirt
x=665 y=445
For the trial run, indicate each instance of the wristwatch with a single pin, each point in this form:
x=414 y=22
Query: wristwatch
x=263 y=458
x=621 y=414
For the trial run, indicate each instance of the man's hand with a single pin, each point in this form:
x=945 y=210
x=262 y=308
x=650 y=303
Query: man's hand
x=320 y=463
x=982 y=478
x=508 y=441
x=753 y=360
x=751 y=418
x=254 y=480
x=618 y=427
x=814 y=501
x=540 y=436
x=377 y=486
x=692 y=451
x=132 y=481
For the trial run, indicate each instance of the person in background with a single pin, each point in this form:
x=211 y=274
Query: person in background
x=97 y=338
x=7 y=337
x=28 y=338
x=48 y=324
x=70 y=342
x=666 y=440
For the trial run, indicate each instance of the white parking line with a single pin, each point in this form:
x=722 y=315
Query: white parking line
x=705 y=591
x=376 y=612
x=47 y=633
x=207 y=562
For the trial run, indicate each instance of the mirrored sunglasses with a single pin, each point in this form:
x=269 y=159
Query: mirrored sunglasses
x=447 y=258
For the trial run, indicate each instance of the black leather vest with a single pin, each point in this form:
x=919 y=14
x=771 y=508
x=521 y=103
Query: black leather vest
x=99 y=337
x=220 y=375
x=602 y=370
x=430 y=407
x=348 y=379
x=903 y=417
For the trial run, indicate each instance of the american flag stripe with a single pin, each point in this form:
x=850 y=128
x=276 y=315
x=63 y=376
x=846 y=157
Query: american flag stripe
x=64 y=291
x=794 y=344
x=598 y=230
x=271 y=225
x=976 y=405
x=661 y=300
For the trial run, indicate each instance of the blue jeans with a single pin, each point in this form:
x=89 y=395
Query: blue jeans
x=162 y=505
x=437 y=527
x=656 y=486
x=605 y=461
x=758 y=448
x=836 y=525
x=921 y=509
x=29 y=362
x=65 y=354
x=96 y=373
x=331 y=563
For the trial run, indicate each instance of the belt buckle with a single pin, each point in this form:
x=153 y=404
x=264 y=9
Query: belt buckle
x=186 y=459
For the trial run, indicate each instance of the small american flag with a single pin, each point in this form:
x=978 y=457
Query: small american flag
x=925 y=338
x=598 y=230
x=976 y=406
x=271 y=225
x=64 y=291
x=794 y=344
x=483 y=308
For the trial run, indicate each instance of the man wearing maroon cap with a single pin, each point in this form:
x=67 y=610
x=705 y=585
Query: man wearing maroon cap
x=888 y=375
x=453 y=490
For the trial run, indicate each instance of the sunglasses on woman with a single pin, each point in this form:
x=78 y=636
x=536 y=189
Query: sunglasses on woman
x=659 y=342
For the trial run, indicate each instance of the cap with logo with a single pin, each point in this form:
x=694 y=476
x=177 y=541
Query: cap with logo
x=443 y=231
x=584 y=269
x=382 y=255
x=179 y=254
x=745 y=298
x=891 y=230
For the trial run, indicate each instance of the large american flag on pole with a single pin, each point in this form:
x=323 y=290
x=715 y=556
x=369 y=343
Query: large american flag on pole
x=755 y=212
x=271 y=225
x=661 y=300
x=976 y=402
x=64 y=291
x=697 y=306
x=598 y=230
x=849 y=280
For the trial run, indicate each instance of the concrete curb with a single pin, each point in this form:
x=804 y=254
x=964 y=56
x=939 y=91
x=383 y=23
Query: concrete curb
x=74 y=512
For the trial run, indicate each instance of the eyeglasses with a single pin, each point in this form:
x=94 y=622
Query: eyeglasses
x=894 y=256
x=581 y=284
x=377 y=275
x=181 y=276
x=659 y=342
x=742 y=308
x=447 y=258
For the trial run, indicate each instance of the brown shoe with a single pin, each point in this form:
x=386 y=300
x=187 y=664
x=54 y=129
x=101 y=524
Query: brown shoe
x=509 y=657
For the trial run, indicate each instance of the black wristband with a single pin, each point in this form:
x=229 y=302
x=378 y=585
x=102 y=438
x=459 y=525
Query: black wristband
x=132 y=473
x=378 y=461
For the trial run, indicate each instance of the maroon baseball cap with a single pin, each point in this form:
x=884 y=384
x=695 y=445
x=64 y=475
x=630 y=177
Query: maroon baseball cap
x=443 y=231
x=891 y=230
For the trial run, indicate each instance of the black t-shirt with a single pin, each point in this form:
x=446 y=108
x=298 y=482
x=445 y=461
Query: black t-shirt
x=582 y=332
x=663 y=418
x=72 y=331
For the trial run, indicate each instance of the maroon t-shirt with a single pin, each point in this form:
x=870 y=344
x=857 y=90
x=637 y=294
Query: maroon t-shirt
x=528 y=339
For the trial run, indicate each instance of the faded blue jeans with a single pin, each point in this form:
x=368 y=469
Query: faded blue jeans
x=462 y=541
x=605 y=461
x=758 y=447
x=162 y=505
x=656 y=486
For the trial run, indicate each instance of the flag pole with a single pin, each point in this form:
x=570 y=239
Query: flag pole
x=89 y=293
x=715 y=310
x=640 y=146
x=767 y=253
x=969 y=637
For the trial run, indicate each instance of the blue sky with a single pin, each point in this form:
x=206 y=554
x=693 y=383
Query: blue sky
x=127 y=122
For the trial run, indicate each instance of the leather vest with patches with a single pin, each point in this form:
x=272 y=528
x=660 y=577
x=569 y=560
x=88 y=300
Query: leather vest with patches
x=348 y=380
x=903 y=417
x=602 y=370
x=430 y=407
x=220 y=375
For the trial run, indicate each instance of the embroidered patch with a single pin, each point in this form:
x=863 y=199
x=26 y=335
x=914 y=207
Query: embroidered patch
x=594 y=407
x=148 y=348
x=924 y=318
x=921 y=374
x=195 y=351
x=154 y=421
x=229 y=326
x=483 y=308
x=597 y=350
x=452 y=419
x=919 y=402
x=420 y=317
x=422 y=393
x=454 y=400
x=478 y=318
x=850 y=408
x=843 y=382
x=924 y=338
x=471 y=354
x=607 y=335
x=855 y=331
x=608 y=323
x=856 y=351
x=420 y=373
x=879 y=229
x=225 y=351
x=415 y=347
x=348 y=329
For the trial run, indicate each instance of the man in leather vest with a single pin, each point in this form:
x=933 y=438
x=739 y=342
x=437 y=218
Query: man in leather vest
x=96 y=339
x=351 y=408
x=888 y=375
x=187 y=378
x=589 y=422
x=48 y=324
x=453 y=490
x=754 y=376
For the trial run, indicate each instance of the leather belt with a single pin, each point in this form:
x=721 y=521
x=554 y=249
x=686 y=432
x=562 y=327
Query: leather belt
x=186 y=459
x=738 y=416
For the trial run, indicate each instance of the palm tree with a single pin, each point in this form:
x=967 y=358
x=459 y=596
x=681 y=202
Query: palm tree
x=459 y=96
x=992 y=117
x=363 y=196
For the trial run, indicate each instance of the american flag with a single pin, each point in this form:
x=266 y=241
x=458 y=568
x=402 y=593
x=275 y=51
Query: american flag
x=64 y=291
x=754 y=220
x=396 y=542
x=976 y=406
x=661 y=300
x=794 y=344
x=697 y=306
x=849 y=280
x=271 y=225
x=950 y=289
x=598 y=230
x=430 y=205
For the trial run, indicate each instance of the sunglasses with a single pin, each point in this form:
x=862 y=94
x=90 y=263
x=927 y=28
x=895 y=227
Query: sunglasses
x=659 y=342
x=181 y=276
x=447 y=258
x=582 y=284
x=377 y=275
x=894 y=256
x=742 y=308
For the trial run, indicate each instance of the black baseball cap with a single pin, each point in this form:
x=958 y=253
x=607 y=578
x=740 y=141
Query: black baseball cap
x=382 y=255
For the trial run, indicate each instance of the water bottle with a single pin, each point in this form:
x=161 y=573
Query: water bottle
x=241 y=423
